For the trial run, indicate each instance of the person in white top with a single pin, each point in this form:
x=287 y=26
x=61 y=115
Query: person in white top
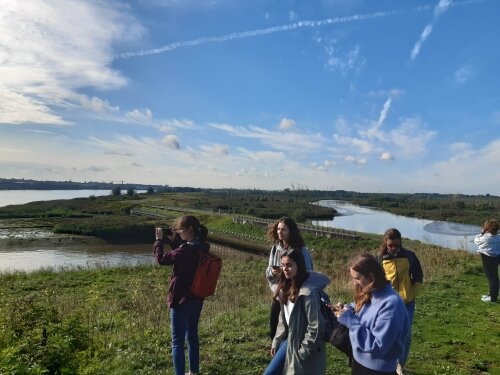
x=488 y=242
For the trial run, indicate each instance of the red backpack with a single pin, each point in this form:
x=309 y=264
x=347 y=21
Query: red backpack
x=206 y=276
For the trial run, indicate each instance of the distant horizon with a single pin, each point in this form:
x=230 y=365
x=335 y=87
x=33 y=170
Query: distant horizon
x=302 y=188
x=396 y=96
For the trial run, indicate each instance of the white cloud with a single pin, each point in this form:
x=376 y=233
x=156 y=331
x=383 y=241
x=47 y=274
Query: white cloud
x=363 y=145
x=215 y=149
x=325 y=166
x=418 y=45
x=395 y=92
x=355 y=160
x=171 y=141
x=178 y=124
x=52 y=49
x=439 y=9
x=292 y=16
x=410 y=136
x=386 y=156
x=460 y=147
x=374 y=131
x=262 y=156
x=286 y=123
x=442 y=7
x=466 y=173
x=288 y=141
x=255 y=33
x=343 y=62
x=342 y=126
x=97 y=105
x=462 y=75
x=141 y=116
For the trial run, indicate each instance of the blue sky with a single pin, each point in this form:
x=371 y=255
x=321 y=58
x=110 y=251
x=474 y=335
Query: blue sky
x=373 y=96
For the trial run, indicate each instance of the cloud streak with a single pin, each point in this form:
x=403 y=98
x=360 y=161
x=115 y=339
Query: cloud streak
x=255 y=33
x=440 y=8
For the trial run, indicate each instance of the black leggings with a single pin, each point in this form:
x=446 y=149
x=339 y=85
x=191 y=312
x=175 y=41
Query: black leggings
x=358 y=369
x=490 y=268
x=274 y=318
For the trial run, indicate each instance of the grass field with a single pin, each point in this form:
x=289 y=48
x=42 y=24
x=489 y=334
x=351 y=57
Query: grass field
x=115 y=321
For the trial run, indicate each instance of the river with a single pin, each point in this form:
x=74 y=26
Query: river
x=73 y=257
x=8 y=197
x=370 y=220
x=359 y=219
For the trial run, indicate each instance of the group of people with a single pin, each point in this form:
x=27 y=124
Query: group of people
x=379 y=319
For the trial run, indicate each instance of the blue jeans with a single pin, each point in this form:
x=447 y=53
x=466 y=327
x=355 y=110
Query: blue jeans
x=278 y=362
x=410 y=309
x=184 y=319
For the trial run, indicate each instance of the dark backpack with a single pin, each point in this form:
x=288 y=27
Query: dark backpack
x=207 y=275
x=335 y=333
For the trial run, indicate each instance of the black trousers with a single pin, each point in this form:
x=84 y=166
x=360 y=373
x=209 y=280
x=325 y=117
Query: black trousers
x=274 y=318
x=358 y=369
x=490 y=268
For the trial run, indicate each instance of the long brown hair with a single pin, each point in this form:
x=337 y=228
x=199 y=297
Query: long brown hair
x=295 y=241
x=368 y=266
x=289 y=288
x=390 y=234
x=491 y=226
x=186 y=221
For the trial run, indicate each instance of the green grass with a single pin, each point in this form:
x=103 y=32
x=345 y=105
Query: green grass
x=115 y=320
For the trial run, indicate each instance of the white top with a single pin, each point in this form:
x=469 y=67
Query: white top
x=488 y=244
x=288 y=307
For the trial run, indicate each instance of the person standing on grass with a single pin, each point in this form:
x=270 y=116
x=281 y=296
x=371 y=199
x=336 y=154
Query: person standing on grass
x=185 y=309
x=403 y=270
x=286 y=236
x=301 y=324
x=377 y=320
x=488 y=242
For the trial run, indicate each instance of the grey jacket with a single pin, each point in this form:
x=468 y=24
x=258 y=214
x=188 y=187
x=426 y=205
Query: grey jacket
x=306 y=351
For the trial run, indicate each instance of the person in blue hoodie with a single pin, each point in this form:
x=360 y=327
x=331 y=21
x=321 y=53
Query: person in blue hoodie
x=377 y=320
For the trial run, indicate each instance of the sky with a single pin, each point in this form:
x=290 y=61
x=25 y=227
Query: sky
x=371 y=96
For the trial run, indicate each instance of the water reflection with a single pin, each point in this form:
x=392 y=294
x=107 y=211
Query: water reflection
x=21 y=259
x=369 y=220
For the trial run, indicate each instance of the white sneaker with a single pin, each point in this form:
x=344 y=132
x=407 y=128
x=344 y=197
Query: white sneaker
x=485 y=295
x=486 y=299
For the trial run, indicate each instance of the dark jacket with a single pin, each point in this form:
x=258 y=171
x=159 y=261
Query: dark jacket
x=184 y=258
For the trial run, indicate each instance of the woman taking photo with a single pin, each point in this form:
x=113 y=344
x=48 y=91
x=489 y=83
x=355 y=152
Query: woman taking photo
x=301 y=324
x=185 y=309
x=286 y=236
x=377 y=320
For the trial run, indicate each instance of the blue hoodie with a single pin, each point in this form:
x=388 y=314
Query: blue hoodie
x=378 y=330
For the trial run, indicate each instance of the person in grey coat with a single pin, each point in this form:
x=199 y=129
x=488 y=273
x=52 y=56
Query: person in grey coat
x=301 y=322
x=286 y=236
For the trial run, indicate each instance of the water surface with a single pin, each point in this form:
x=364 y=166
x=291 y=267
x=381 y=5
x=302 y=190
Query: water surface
x=8 y=197
x=370 y=220
x=57 y=258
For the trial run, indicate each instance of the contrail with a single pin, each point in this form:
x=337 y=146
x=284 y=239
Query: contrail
x=282 y=28
x=252 y=33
